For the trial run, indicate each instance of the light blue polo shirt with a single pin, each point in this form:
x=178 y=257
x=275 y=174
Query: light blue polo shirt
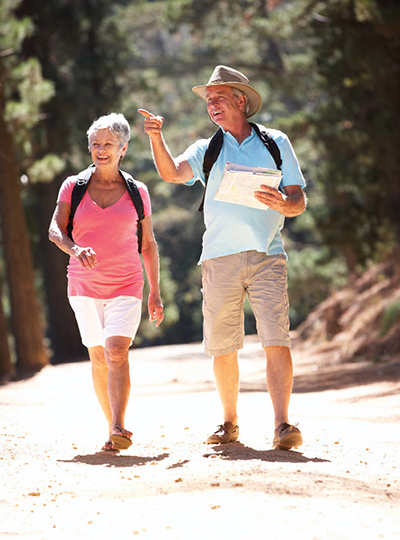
x=233 y=228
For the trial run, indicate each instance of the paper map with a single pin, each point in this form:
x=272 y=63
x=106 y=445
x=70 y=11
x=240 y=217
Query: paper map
x=239 y=183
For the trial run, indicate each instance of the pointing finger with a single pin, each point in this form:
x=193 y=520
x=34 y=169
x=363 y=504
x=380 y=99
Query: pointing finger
x=145 y=113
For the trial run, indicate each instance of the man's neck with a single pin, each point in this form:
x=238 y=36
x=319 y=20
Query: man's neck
x=240 y=131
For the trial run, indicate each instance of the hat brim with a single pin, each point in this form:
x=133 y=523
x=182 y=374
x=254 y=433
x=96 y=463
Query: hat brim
x=255 y=101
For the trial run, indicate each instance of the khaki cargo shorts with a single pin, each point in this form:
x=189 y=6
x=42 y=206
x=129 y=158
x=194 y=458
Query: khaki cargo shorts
x=226 y=281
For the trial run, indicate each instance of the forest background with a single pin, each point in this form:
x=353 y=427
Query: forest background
x=329 y=74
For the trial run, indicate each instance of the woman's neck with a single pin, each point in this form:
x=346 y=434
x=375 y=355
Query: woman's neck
x=106 y=175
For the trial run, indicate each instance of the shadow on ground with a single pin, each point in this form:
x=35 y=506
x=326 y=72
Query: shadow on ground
x=238 y=451
x=346 y=376
x=114 y=460
x=335 y=377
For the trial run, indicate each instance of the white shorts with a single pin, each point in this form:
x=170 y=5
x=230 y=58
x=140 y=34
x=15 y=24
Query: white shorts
x=100 y=319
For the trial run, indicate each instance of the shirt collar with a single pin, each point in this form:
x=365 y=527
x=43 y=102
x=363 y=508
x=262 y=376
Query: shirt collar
x=232 y=138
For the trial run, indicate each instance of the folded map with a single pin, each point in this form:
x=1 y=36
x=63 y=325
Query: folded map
x=239 y=183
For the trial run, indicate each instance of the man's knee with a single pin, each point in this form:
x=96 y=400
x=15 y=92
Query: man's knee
x=278 y=352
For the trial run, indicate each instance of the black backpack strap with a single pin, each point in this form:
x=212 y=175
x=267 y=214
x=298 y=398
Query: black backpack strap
x=78 y=191
x=134 y=193
x=215 y=145
x=269 y=142
x=210 y=157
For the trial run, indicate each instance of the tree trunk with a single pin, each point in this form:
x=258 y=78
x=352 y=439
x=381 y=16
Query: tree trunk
x=25 y=314
x=5 y=357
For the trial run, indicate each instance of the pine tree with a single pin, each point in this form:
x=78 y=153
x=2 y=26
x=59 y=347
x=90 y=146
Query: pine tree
x=82 y=53
x=21 y=92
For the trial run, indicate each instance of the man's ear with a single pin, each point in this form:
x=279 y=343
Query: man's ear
x=242 y=103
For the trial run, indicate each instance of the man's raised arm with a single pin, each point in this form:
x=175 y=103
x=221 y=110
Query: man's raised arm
x=170 y=170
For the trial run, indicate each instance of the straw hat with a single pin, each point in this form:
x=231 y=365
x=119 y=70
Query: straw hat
x=223 y=75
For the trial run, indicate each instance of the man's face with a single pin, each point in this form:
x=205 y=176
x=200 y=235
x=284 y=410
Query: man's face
x=223 y=107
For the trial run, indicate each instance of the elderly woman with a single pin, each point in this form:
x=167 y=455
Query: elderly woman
x=105 y=278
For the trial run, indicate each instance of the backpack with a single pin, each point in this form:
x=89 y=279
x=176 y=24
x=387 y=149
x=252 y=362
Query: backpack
x=79 y=190
x=215 y=145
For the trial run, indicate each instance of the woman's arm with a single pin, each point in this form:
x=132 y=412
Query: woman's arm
x=58 y=234
x=152 y=269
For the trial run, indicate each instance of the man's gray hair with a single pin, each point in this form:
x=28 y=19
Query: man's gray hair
x=116 y=123
x=238 y=94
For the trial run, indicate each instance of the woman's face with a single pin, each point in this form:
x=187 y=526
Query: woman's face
x=105 y=148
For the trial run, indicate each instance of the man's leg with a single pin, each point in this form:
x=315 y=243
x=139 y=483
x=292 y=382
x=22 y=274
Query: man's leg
x=223 y=298
x=279 y=381
x=226 y=373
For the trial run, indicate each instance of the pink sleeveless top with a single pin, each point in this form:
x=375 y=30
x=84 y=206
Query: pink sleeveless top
x=111 y=233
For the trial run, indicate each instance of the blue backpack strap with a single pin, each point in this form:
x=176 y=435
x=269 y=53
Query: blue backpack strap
x=78 y=191
x=134 y=193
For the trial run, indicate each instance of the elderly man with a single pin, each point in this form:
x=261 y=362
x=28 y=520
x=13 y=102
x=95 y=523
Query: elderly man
x=243 y=251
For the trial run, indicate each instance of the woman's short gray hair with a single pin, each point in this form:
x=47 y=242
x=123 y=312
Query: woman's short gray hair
x=116 y=123
x=238 y=94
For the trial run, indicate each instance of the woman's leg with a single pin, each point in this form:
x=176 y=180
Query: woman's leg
x=100 y=381
x=118 y=387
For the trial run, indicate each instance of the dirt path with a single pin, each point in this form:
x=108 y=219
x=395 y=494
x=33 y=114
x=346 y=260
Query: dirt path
x=343 y=483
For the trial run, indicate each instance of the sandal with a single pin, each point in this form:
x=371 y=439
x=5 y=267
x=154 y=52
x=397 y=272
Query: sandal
x=121 y=441
x=109 y=447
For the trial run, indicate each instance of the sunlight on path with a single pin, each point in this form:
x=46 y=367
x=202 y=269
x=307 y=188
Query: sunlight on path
x=51 y=431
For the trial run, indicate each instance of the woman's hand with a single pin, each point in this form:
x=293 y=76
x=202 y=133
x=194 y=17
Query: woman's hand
x=156 y=309
x=86 y=256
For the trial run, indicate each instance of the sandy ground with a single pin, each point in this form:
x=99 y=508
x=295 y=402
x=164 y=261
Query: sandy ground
x=343 y=483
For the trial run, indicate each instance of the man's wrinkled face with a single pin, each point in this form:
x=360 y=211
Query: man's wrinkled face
x=222 y=105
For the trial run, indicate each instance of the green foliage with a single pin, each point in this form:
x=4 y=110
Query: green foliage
x=356 y=49
x=45 y=169
x=313 y=274
x=389 y=318
x=25 y=89
x=12 y=30
x=335 y=97
x=23 y=111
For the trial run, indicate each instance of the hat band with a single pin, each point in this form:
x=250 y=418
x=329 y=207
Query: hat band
x=220 y=81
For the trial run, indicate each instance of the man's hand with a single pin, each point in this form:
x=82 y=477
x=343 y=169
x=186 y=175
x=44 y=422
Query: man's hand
x=271 y=197
x=152 y=124
x=291 y=203
x=86 y=256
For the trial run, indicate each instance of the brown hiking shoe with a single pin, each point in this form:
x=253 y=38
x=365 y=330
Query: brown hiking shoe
x=287 y=437
x=225 y=433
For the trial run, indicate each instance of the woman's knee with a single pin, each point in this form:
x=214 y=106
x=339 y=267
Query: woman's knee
x=117 y=349
x=96 y=355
